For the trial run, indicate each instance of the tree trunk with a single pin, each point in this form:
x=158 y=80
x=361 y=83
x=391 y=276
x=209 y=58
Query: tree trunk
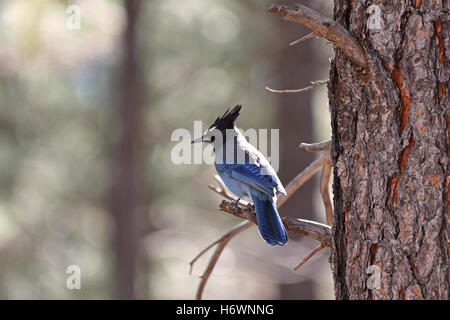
x=125 y=183
x=390 y=151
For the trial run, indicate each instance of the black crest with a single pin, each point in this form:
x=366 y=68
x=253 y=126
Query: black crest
x=227 y=120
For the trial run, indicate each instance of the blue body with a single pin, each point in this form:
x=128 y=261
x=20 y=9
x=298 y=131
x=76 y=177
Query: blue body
x=258 y=181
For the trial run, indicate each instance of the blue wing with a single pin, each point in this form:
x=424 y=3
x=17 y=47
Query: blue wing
x=255 y=173
x=250 y=174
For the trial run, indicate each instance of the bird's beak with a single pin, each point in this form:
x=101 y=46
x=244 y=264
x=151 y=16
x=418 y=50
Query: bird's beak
x=199 y=139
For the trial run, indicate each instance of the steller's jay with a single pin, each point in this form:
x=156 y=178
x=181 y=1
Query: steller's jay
x=246 y=172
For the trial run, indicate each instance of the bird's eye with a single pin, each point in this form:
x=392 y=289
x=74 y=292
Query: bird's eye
x=213 y=138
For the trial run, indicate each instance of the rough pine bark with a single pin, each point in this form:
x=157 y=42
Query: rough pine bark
x=391 y=138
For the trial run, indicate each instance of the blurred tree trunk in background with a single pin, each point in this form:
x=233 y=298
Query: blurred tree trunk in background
x=125 y=177
x=296 y=67
x=391 y=153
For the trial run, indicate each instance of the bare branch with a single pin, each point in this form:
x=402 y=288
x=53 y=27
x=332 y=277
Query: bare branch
x=313 y=85
x=324 y=182
x=303 y=177
x=307 y=37
x=312 y=229
x=247 y=212
x=324 y=27
x=223 y=241
x=309 y=256
x=314 y=147
x=191 y=264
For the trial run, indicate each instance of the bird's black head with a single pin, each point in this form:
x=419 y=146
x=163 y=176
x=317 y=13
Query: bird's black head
x=227 y=120
x=220 y=126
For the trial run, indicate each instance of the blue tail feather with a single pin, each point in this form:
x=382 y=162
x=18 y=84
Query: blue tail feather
x=270 y=226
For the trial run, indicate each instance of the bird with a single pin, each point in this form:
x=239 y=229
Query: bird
x=247 y=173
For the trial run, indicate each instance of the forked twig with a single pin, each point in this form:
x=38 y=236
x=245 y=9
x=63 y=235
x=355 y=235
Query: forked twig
x=315 y=147
x=303 y=176
x=309 y=256
x=304 y=38
x=313 y=85
x=315 y=230
x=223 y=241
x=323 y=27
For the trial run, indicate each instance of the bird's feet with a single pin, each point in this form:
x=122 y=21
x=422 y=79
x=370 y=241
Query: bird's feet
x=250 y=206
x=236 y=205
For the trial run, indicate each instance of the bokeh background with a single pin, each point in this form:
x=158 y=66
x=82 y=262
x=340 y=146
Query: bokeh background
x=86 y=117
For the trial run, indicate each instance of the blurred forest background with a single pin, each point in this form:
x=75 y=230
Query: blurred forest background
x=86 y=119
